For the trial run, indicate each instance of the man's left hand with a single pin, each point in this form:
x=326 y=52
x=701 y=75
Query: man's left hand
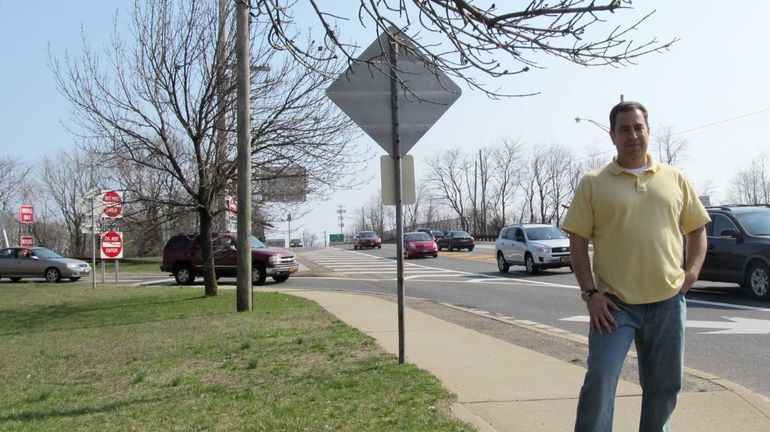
x=689 y=280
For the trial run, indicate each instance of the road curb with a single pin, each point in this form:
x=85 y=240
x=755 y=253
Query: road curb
x=461 y=412
x=759 y=402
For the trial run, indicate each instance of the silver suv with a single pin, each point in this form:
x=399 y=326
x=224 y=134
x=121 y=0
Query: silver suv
x=534 y=246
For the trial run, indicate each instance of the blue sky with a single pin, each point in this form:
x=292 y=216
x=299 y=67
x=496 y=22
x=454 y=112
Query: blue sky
x=713 y=82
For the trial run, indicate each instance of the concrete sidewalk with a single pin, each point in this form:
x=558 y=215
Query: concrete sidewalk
x=503 y=387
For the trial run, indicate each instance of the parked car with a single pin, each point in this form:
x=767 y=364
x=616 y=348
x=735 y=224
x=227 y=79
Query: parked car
x=433 y=233
x=296 y=243
x=738 y=249
x=17 y=262
x=367 y=239
x=182 y=257
x=419 y=244
x=534 y=246
x=456 y=240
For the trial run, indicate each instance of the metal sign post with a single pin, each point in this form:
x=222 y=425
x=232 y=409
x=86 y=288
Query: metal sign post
x=399 y=217
x=416 y=94
x=93 y=243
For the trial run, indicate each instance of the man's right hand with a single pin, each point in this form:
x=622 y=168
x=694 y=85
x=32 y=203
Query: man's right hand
x=599 y=307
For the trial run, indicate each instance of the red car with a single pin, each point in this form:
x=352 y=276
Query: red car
x=367 y=239
x=419 y=244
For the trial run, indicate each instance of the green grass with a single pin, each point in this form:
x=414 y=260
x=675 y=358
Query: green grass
x=170 y=359
x=131 y=265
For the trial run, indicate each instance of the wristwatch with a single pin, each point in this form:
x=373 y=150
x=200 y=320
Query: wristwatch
x=586 y=295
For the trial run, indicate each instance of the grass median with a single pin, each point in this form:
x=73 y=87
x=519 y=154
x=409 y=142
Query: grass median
x=127 y=358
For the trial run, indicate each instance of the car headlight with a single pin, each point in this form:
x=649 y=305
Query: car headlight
x=543 y=249
x=73 y=266
x=275 y=259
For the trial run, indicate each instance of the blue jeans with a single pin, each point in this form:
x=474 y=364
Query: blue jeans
x=658 y=332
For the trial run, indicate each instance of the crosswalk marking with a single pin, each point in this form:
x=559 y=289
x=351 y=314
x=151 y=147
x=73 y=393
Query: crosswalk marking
x=357 y=263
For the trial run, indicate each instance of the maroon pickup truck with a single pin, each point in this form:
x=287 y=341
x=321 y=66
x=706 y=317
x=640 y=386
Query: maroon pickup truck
x=182 y=257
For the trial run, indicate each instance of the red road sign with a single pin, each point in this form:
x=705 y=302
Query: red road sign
x=26 y=241
x=232 y=206
x=113 y=203
x=112 y=245
x=26 y=214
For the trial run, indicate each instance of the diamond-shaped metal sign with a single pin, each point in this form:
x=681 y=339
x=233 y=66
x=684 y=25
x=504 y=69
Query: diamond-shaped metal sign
x=363 y=93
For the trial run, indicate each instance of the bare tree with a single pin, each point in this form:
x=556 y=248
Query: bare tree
x=460 y=37
x=751 y=186
x=413 y=212
x=672 y=149
x=558 y=163
x=506 y=166
x=309 y=239
x=68 y=177
x=15 y=173
x=158 y=102
x=448 y=173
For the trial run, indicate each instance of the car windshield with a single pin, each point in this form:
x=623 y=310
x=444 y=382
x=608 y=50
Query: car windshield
x=757 y=224
x=367 y=234
x=460 y=234
x=45 y=253
x=420 y=236
x=545 y=233
x=255 y=243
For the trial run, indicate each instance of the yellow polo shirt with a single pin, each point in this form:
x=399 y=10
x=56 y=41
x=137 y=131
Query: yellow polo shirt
x=636 y=225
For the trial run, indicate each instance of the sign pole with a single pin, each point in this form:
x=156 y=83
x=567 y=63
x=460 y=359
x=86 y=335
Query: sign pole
x=93 y=244
x=393 y=54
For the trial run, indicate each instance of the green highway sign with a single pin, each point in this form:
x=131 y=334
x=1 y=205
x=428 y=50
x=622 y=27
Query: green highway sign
x=336 y=238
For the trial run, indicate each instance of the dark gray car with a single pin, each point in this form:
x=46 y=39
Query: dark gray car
x=38 y=262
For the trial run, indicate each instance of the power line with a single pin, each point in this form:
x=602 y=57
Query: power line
x=721 y=121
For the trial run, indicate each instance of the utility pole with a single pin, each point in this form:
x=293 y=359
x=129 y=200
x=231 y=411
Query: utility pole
x=341 y=217
x=288 y=219
x=222 y=83
x=244 y=291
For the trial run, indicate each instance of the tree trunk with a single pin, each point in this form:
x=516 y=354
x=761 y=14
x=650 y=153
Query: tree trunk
x=209 y=274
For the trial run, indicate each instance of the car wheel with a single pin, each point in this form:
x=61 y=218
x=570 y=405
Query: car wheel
x=74 y=279
x=435 y=255
x=184 y=274
x=758 y=281
x=529 y=262
x=501 y=264
x=258 y=274
x=281 y=278
x=52 y=274
x=439 y=247
x=379 y=247
x=355 y=247
x=15 y=279
x=470 y=249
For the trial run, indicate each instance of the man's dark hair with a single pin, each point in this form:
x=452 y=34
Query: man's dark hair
x=627 y=106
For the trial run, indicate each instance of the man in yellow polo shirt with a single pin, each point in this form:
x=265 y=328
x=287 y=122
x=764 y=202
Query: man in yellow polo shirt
x=635 y=211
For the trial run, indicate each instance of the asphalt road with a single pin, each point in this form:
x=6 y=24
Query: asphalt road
x=727 y=333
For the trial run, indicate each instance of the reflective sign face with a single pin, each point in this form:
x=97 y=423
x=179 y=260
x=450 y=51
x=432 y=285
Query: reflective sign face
x=113 y=203
x=363 y=92
x=26 y=214
x=112 y=245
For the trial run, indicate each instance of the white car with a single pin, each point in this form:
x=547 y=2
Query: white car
x=534 y=246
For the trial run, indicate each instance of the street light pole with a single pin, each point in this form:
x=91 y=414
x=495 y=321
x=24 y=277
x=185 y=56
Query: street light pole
x=593 y=122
